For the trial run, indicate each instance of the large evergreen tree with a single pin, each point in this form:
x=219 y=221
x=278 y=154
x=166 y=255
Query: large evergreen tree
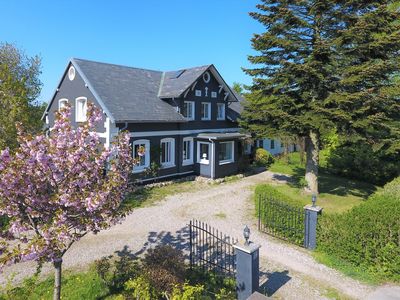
x=300 y=84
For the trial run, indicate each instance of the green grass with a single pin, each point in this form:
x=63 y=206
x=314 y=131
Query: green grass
x=347 y=269
x=84 y=285
x=337 y=194
x=220 y=215
x=149 y=196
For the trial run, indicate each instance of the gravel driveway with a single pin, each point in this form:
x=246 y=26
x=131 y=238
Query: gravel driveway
x=289 y=272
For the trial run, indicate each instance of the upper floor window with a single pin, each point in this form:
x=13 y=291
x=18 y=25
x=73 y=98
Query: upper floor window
x=206 y=111
x=62 y=103
x=167 y=152
x=81 y=109
x=141 y=153
x=187 y=153
x=213 y=94
x=221 y=111
x=198 y=93
x=188 y=110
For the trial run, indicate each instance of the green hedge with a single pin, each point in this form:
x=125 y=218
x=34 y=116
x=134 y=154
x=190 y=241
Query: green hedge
x=367 y=236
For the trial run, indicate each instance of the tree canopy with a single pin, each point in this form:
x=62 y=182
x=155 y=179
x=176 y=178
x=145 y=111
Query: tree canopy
x=320 y=65
x=20 y=87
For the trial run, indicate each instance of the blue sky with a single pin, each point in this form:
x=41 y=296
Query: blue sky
x=154 y=34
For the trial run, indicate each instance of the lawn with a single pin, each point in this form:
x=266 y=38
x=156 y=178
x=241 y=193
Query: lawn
x=148 y=196
x=337 y=194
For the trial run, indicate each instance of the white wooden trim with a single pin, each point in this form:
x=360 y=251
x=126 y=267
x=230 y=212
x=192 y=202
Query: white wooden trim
x=180 y=132
x=82 y=118
x=171 y=163
x=187 y=162
x=62 y=100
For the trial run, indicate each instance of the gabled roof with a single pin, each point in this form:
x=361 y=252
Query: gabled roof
x=176 y=82
x=130 y=94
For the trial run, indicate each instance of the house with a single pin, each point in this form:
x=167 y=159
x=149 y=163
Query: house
x=275 y=146
x=184 y=122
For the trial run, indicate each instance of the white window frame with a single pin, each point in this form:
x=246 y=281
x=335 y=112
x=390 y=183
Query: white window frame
x=64 y=101
x=232 y=159
x=78 y=117
x=186 y=162
x=171 y=163
x=199 y=158
x=146 y=143
x=208 y=110
x=214 y=95
x=223 y=111
x=197 y=93
x=192 y=108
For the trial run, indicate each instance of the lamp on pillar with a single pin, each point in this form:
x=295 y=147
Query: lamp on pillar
x=314 y=200
x=246 y=234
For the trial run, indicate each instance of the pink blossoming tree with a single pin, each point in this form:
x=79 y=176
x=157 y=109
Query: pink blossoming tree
x=55 y=189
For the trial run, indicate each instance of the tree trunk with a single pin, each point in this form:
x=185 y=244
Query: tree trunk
x=57 y=278
x=312 y=161
x=300 y=142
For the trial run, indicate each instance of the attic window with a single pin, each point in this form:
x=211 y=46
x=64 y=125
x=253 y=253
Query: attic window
x=71 y=73
x=206 y=77
x=178 y=73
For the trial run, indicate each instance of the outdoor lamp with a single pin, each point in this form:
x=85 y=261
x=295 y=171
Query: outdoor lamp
x=246 y=234
x=314 y=199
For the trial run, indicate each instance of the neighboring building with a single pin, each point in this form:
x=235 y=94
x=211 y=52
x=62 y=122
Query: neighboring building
x=186 y=120
x=274 y=146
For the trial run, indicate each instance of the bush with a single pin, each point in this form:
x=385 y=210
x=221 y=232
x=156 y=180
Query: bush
x=263 y=158
x=359 y=161
x=368 y=236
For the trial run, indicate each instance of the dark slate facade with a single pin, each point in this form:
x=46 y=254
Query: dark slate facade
x=151 y=106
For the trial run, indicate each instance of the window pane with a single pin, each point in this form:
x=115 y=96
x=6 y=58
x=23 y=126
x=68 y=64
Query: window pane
x=139 y=154
x=186 y=150
x=204 y=151
x=185 y=109
x=225 y=151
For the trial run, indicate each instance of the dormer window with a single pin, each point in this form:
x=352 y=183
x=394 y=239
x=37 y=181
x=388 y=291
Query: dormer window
x=80 y=109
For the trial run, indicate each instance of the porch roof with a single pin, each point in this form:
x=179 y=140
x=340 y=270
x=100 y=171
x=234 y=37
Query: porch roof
x=221 y=136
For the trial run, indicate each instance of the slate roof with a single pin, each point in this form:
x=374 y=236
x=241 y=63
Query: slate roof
x=176 y=82
x=130 y=94
x=235 y=108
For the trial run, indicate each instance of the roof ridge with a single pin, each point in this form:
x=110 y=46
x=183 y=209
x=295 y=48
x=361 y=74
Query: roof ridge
x=203 y=66
x=117 y=65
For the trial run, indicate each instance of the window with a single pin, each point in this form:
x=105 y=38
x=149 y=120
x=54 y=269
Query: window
x=221 y=111
x=260 y=143
x=198 y=93
x=141 y=153
x=188 y=110
x=206 y=111
x=187 y=153
x=62 y=103
x=247 y=147
x=213 y=94
x=167 y=152
x=203 y=153
x=225 y=154
x=71 y=73
x=272 y=144
x=81 y=109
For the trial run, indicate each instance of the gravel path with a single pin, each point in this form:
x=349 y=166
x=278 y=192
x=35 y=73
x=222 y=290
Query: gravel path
x=289 y=272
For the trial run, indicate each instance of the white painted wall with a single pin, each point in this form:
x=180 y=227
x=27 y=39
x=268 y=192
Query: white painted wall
x=277 y=148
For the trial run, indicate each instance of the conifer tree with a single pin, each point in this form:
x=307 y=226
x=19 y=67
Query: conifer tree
x=300 y=85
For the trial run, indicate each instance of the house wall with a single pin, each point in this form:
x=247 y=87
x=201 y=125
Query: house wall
x=213 y=86
x=71 y=90
x=278 y=149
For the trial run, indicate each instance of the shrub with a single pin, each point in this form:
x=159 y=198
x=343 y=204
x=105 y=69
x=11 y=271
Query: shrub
x=368 y=236
x=263 y=158
x=115 y=273
x=359 y=161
